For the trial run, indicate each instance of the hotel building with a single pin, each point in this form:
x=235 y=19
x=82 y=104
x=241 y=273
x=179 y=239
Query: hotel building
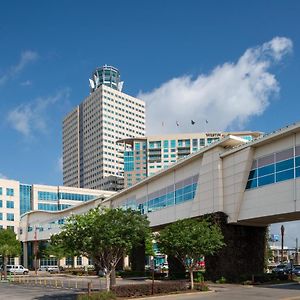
x=91 y=156
x=144 y=156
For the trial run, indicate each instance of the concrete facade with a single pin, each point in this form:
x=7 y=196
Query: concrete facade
x=145 y=156
x=252 y=184
x=17 y=199
x=90 y=132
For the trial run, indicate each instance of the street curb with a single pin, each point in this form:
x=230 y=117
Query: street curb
x=280 y=284
x=175 y=294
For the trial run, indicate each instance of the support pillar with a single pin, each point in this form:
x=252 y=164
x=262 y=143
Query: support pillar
x=176 y=268
x=243 y=254
x=137 y=259
x=25 y=255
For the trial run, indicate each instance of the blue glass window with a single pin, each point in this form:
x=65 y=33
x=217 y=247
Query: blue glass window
x=137 y=146
x=266 y=170
x=47 y=196
x=284 y=165
x=0 y=190
x=182 y=194
x=285 y=175
x=297 y=172
x=10 y=217
x=166 y=144
x=10 y=204
x=266 y=180
x=9 y=192
x=251 y=184
x=79 y=261
x=173 y=143
x=1 y=216
x=252 y=174
x=1 y=203
x=25 y=198
x=297 y=161
x=69 y=261
x=47 y=206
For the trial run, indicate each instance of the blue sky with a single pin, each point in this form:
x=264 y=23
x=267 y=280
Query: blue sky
x=49 y=49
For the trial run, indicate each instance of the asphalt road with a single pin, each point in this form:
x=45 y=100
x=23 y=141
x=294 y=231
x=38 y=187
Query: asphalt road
x=239 y=292
x=221 y=291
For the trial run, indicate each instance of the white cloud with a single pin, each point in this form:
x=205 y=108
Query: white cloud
x=26 y=83
x=32 y=116
x=228 y=96
x=26 y=58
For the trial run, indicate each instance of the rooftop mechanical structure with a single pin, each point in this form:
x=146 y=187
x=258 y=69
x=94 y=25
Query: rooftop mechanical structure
x=107 y=75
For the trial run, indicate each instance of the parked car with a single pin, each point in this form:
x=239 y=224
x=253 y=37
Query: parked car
x=296 y=270
x=282 y=269
x=17 y=269
x=53 y=269
x=43 y=268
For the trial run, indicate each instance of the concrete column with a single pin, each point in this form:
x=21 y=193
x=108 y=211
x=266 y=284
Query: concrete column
x=243 y=254
x=25 y=254
x=138 y=258
x=126 y=262
x=176 y=268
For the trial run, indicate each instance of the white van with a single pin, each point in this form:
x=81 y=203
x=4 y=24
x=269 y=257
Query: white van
x=17 y=269
x=53 y=269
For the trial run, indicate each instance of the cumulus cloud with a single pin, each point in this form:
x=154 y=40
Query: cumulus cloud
x=228 y=96
x=32 y=116
x=26 y=58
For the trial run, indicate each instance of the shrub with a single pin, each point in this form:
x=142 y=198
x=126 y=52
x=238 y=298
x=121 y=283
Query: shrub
x=98 y=296
x=135 y=290
x=198 y=277
x=129 y=273
x=221 y=280
x=201 y=287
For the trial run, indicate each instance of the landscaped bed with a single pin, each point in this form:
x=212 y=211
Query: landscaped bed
x=140 y=290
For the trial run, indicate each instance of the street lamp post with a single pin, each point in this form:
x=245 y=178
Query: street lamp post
x=282 y=242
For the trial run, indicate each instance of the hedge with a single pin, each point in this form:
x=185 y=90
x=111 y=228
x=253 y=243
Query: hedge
x=136 y=290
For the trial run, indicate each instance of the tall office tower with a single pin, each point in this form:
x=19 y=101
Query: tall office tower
x=91 y=156
x=144 y=156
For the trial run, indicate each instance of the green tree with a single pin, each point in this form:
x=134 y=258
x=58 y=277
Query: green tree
x=9 y=247
x=105 y=235
x=188 y=240
x=57 y=249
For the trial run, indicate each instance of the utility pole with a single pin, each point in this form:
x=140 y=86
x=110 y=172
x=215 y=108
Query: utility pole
x=282 y=239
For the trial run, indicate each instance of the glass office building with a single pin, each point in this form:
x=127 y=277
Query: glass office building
x=17 y=198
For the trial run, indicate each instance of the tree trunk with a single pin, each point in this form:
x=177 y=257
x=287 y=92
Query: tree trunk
x=107 y=276
x=113 y=277
x=58 y=264
x=5 y=261
x=191 y=278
